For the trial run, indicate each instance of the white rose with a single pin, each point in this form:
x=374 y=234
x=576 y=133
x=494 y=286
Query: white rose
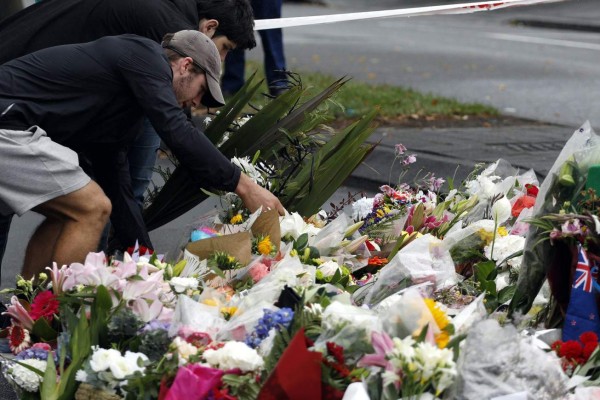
x=184 y=349
x=103 y=358
x=122 y=368
x=329 y=268
x=180 y=285
x=234 y=355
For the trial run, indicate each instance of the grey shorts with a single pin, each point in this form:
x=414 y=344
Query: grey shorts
x=34 y=169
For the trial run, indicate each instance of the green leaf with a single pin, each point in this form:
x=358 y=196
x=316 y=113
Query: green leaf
x=483 y=270
x=48 y=386
x=43 y=330
x=301 y=242
x=505 y=294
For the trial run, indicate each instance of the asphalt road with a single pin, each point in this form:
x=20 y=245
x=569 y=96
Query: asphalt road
x=549 y=75
x=540 y=74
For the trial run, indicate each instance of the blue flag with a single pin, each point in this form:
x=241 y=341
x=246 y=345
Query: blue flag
x=582 y=312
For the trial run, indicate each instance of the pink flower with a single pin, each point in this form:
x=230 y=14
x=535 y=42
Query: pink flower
x=19 y=314
x=194 y=382
x=435 y=184
x=258 y=271
x=42 y=346
x=399 y=149
x=409 y=160
x=383 y=345
x=387 y=190
x=58 y=277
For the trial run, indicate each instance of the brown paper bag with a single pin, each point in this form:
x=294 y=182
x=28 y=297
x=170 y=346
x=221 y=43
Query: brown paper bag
x=267 y=223
x=238 y=245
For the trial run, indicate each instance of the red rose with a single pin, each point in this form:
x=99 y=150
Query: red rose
x=45 y=304
x=571 y=349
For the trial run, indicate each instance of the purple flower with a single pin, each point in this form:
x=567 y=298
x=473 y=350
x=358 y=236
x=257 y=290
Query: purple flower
x=155 y=325
x=435 y=183
x=409 y=159
x=400 y=149
x=571 y=227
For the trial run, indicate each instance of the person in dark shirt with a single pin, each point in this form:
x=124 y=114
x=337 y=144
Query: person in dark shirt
x=56 y=22
x=95 y=95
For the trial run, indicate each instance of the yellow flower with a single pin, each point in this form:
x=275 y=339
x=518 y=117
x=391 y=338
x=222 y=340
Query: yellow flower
x=502 y=231
x=265 y=246
x=236 y=219
x=228 y=312
x=380 y=213
x=485 y=235
x=441 y=320
x=231 y=259
x=210 y=302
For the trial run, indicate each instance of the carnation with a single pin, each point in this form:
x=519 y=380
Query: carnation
x=505 y=246
x=25 y=378
x=234 y=355
x=102 y=359
x=362 y=208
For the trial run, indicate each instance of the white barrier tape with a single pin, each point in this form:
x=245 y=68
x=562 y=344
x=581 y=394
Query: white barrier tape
x=465 y=8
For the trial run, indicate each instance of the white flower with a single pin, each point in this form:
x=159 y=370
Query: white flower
x=128 y=365
x=103 y=358
x=249 y=169
x=184 y=349
x=505 y=246
x=180 y=285
x=25 y=378
x=329 y=268
x=430 y=359
x=81 y=376
x=361 y=208
x=501 y=210
x=483 y=186
x=404 y=348
x=292 y=225
x=234 y=355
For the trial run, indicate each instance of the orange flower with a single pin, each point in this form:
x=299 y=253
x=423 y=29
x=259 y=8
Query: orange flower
x=264 y=246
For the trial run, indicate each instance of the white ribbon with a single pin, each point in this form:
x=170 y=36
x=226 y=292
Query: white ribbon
x=465 y=8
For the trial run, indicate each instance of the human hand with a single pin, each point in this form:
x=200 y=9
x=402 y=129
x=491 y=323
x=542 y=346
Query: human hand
x=254 y=196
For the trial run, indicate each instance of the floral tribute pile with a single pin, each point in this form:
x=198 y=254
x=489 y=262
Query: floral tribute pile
x=401 y=295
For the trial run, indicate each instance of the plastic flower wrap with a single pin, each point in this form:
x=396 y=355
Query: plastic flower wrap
x=496 y=361
x=424 y=259
x=563 y=183
x=349 y=327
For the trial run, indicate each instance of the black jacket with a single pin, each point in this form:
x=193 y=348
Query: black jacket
x=56 y=22
x=94 y=96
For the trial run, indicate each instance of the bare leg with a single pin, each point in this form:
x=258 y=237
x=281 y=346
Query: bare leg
x=41 y=246
x=83 y=214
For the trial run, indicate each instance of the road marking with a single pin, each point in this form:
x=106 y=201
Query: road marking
x=538 y=40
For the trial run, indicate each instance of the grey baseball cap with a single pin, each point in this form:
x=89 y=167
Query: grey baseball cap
x=204 y=53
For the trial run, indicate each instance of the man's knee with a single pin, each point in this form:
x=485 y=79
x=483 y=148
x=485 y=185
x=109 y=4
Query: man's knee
x=88 y=204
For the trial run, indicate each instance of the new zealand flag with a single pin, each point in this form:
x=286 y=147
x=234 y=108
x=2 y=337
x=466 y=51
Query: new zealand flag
x=582 y=312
